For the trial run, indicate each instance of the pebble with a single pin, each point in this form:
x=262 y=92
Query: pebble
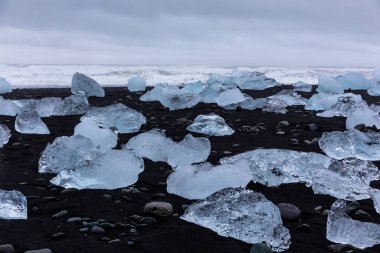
x=74 y=219
x=107 y=196
x=148 y=220
x=84 y=230
x=312 y=127
x=115 y=240
x=39 y=251
x=280 y=133
x=303 y=227
x=352 y=207
x=59 y=214
x=6 y=248
x=318 y=208
x=289 y=211
x=294 y=142
x=159 y=208
x=283 y=123
x=362 y=213
x=58 y=235
x=68 y=190
x=338 y=247
x=260 y=248
x=158 y=195
x=97 y=230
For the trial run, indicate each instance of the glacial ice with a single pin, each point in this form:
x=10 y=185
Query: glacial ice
x=5 y=86
x=188 y=151
x=231 y=96
x=81 y=83
x=104 y=138
x=5 y=135
x=153 y=145
x=241 y=214
x=302 y=86
x=348 y=179
x=343 y=108
x=155 y=93
x=7 y=107
x=136 y=83
x=210 y=124
x=114 y=169
x=363 y=115
x=201 y=180
x=29 y=122
x=176 y=100
x=45 y=107
x=289 y=97
x=353 y=81
x=328 y=84
x=253 y=81
x=220 y=79
x=67 y=153
x=375 y=195
x=118 y=116
x=342 y=229
x=351 y=143
x=13 y=205
x=194 y=87
x=324 y=101
x=275 y=105
x=248 y=104
x=72 y=105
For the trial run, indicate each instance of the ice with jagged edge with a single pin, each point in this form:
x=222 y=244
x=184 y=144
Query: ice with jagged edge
x=5 y=86
x=188 y=151
x=210 y=124
x=67 y=153
x=104 y=138
x=13 y=205
x=290 y=97
x=329 y=84
x=5 y=135
x=81 y=83
x=8 y=107
x=363 y=115
x=348 y=179
x=253 y=80
x=201 y=180
x=249 y=103
x=343 y=108
x=302 y=86
x=374 y=90
x=29 y=122
x=275 y=105
x=324 y=101
x=342 y=229
x=180 y=99
x=118 y=116
x=375 y=195
x=45 y=106
x=241 y=214
x=111 y=170
x=353 y=81
x=231 y=96
x=154 y=145
x=72 y=105
x=155 y=93
x=136 y=83
x=351 y=143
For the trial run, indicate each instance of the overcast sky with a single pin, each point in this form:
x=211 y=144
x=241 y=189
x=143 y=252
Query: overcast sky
x=212 y=32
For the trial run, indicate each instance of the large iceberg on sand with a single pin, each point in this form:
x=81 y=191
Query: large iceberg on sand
x=324 y=101
x=7 y=107
x=83 y=84
x=290 y=97
x=342 y=229
x=253 y=80
x=155 y=146
x=241 y=214
x=67 y=153
x=72 y=105
x=114 y=169
x=179 y=100
x=136 y=83
x=343 y=108
x=351 y=143
x=348 y=179
x=201 y=180
x=104 y=138
x=302 y=87
x=231 y=96
x=13 y=205
x=29 y=122
x=118 y=116
x=5 y=86
x=5 y=135
x=353 y=81
x=210 y=124
x=328 y=84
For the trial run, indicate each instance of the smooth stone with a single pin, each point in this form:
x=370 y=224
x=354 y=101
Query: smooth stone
x=294 y=142
x=97 y=230
x=260 y=248
x=159 y=208
x=74 y=219
x=148 y=220
x=84 y=230
x=312 y=127
x=39 y=251
x=158 y=195
x=6 y=248
x=280 y=133
x=283 y=123
x=59 y=214
x=361 y=213
x=289 y=211
x=58 y=235
x=352 y=207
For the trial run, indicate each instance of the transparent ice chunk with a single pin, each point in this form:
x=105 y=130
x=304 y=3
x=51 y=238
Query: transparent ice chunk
x=136 y=83
x=210 y=124
x=5 y=135
x=13 y=205
x=29 y=122
x=5 y=86
x=83 y=84
x=72 y=105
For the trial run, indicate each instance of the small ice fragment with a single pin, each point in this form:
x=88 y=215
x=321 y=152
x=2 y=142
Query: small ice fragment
x=104 y=138
x=5 y=86
x=302 y=86
x=82 y=83
x=375 y=195
x=275 y=105
x=72 y=105
x=136 y=83
x=5 y=135
x=211 y=124
x=118 y=116
x=241 y=214
x=176 y=100
x=324 y=101
x=29 y=122
x=342 y=229
x=231 y=96
x=13 y=205
x=353 y=81
x=7 y=107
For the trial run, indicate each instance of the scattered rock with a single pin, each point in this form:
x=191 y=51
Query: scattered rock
x=97 y=230
x=280 y=133
x=294 y=142
x=148 y=220
x=289 y=211
x=58 y=235
x=260 y=248
x=59 y=214
x=39 y=251
x=283 y=123
x=312 y=127
x=361 y=213
x=74 y=219
x=338 y=247
x=352 y=207
x=6 y=248
x=159 y=208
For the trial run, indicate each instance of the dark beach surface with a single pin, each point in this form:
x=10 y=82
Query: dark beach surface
x=19 y=165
